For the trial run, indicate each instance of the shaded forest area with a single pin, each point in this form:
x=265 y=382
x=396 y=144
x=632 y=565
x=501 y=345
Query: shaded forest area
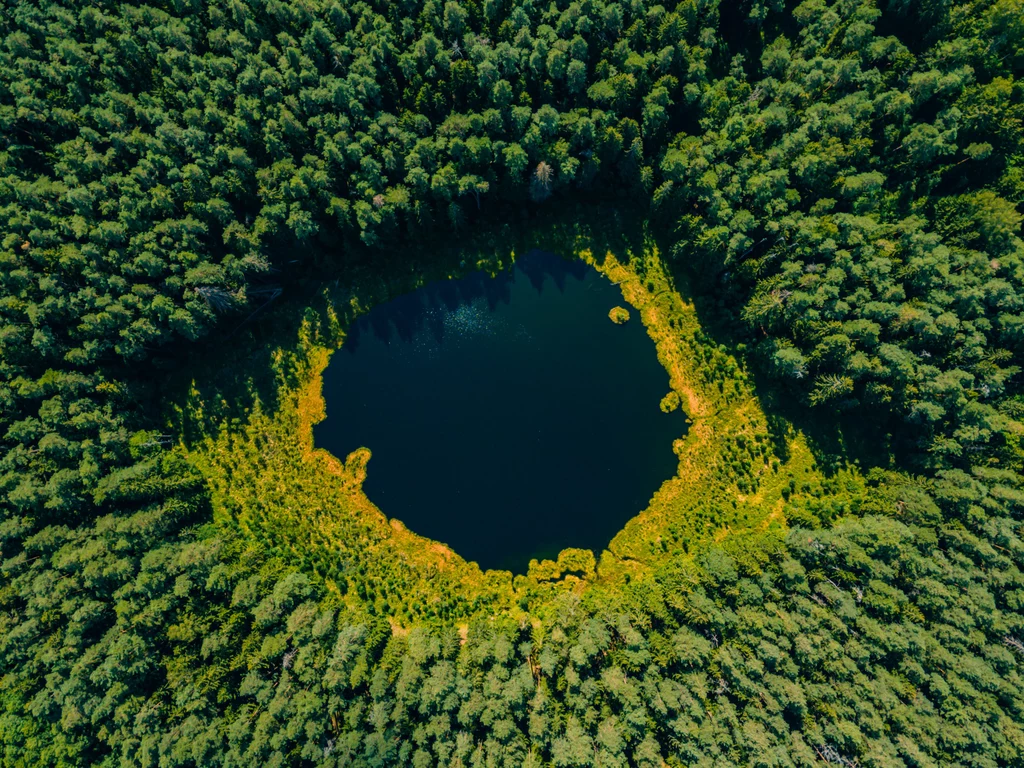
x=846 y=178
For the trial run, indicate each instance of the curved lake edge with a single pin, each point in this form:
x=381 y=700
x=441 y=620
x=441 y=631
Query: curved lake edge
x=326 y=517
x=509 y=417
x=645 y=294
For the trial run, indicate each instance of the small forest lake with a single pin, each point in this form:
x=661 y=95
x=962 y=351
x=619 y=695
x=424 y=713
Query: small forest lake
x=508 y=417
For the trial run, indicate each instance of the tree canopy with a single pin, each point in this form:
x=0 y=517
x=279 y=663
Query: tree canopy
x=844 y=178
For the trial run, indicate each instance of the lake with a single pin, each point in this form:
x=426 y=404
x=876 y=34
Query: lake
x=508 y=416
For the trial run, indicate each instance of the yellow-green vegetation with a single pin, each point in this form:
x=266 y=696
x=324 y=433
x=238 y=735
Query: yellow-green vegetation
x=572 y=564
x=619 y=315
x=733 y=473
x=670 y=402
x=730 y=480
x=837 y=192
x=267 y=478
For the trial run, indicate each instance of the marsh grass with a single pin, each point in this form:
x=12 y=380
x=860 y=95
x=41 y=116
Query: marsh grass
x=247 y=422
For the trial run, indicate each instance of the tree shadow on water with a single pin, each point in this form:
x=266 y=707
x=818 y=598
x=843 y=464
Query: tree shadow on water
x=423 y=309
x=538 y=266
x=246 y=362
x=249 y=359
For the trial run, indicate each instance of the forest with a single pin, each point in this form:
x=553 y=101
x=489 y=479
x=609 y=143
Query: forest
x=815 y=208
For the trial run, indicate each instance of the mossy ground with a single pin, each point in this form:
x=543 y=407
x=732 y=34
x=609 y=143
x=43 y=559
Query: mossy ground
x=735 y=474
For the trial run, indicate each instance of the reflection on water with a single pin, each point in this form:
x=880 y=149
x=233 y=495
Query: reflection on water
x=508 y=416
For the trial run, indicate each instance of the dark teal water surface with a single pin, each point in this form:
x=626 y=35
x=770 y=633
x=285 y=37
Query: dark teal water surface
x=508 y=417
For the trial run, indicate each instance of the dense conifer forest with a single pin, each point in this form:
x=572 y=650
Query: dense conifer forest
x=831 y=192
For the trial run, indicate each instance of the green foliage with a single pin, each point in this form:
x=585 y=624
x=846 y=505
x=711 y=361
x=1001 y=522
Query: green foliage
x=670 y=402
x=854 y=195
x=619 y=315
x=846 y=179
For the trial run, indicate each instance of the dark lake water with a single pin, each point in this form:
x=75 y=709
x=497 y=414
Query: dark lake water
x=508 y=417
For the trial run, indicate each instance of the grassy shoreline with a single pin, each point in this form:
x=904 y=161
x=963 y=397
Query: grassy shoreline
x=267 y=476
